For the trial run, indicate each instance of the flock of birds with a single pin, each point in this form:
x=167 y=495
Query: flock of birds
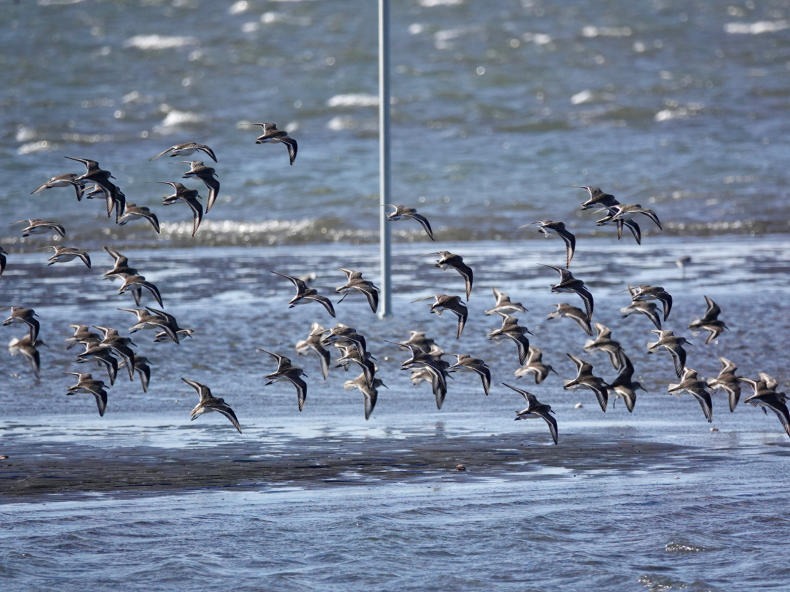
x=112 y=352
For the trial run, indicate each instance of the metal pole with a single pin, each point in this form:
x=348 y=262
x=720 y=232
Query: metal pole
x=385 y=305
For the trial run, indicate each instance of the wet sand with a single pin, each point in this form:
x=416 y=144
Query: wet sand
x=42 y=469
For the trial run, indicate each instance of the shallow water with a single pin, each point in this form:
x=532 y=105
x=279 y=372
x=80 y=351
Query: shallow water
x=680 y=106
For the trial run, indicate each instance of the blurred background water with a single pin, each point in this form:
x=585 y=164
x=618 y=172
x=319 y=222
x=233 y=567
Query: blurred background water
x=497 y=108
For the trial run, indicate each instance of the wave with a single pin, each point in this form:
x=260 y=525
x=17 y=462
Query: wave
x=756 y=28
x=353 y=100
x=159 y=42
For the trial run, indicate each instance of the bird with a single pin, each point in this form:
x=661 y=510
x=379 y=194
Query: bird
x=448 y=259
x=504 y=305
x=37 y=225
x=287 y=371
x=101 y=355
x=536 y=409
x=585 y=378
x=568 y=283
x=674 y=345
x=27 y=316
x=120 y=264
x=65 y=254
x=87 y=384
x=622 y=213
x=517 y=333
x=135 y=212
x=645 y=307
x=3 y=260
x=272 y=134
x=208 y=402
x=354 y=355
x=572 y=312
x=369 y=390
x=768 y=398
x=189 y=197
x=648 y=292
x=728 y=381
x=466 y=363
x=313 y=342
x=544 y=226
x=710 y=321
x=65 y=180
x=597 y=198
x=206 y=174
x=305 y=294
x=186 y=149
x=155 y=319
x=143 y=368
x=135 y=282
x=535 y=366
x=625 y=386
x=95 y=174
x=404 y=212
x=120 y=345
x=28 y=348
x=453 y=304
x=693 y=385
x=342 y=334
x=604 y=342
x=355 y=281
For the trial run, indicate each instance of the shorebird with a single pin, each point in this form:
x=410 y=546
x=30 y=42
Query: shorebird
x=448 y=259
x=536 y=409
x=65 y=180
x=585 y=378
x=444 y=302
x=2 y=260
x=544 y=226
x=518 y=333
x=597 y=198
x=645 y=307
x=186 y=149
x=342 y=334
x=37 y=225
x=407 y=213
x=155 y=319
x=710 y=321
x=691 y=383
x=210 y=403
x=568 y=283
x=623 y=213
x=625 y=386
x=429 y=366
x=604 y=342
x=95 y=174
x=120 y=345
x=142 y=367
x=767 y=397
x=728 y=381
x=535 y=366
x=466 y=363
x=120 y=265
x=135 y=212
x=503 y=304
x=206 y=174
x=28 y=347
x=287 y=371
x=353 y=355
x=647 y=292
x=313 y=343
x=419 y=340
x=134 y=283
x=272 y=134
x=82 y=335
x=368 y=389
x=64 y=254
x=355 y=281
x=305 y=294
x=28 y=316
x=189 y=197
x=101 y=355
x=577 y=314
x=87 y=384
x=674 y=345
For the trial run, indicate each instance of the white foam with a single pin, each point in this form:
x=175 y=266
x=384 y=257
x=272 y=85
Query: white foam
x=32 y=147
x=537 y=38
x=432 y=3
x=584 y=96
x=239 y=7
x=592 y=31
x=756 y=28
x=353 y=100
x=176 y=117
x=158 y=42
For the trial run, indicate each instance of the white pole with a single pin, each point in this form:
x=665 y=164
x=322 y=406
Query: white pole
x=385 y=304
